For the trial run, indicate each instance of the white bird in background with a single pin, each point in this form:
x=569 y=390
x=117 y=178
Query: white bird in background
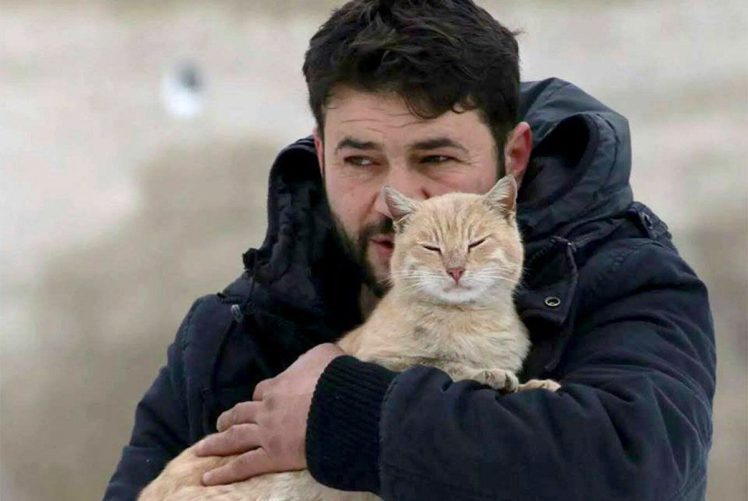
x=182 y=91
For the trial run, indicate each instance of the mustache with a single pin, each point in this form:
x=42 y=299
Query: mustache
x=355 y=248
x=382 y=227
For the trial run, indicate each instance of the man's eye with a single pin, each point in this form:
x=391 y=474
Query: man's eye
x=359 y=161
x=437 y=159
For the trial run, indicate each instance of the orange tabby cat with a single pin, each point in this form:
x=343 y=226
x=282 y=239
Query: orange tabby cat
x=456 y=262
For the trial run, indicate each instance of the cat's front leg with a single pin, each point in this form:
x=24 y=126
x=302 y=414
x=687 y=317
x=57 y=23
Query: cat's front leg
x=544 y=384
x=506 y=381
x=498 y=379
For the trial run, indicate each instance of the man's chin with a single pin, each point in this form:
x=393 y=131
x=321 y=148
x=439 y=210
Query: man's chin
x=379 y=288
x=379 y=274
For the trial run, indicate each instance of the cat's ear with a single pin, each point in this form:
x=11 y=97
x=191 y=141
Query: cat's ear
x=400 y=206
x=503 y=196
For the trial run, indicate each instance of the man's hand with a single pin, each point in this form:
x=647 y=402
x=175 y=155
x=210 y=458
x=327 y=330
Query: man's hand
x=268 y=433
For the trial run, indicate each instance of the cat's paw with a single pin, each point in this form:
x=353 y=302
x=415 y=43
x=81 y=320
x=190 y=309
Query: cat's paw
x=544 y=384
x=499 y=379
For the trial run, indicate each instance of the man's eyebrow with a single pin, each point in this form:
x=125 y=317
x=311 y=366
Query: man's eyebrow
x=349 y=142
x=437 y=142
x=426 y=144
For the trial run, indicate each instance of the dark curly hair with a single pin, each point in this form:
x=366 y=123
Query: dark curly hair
x=439 y=55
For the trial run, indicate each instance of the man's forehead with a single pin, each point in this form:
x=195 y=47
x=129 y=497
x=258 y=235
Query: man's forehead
x=349 y=105
x=364 y=119
x=343 y=96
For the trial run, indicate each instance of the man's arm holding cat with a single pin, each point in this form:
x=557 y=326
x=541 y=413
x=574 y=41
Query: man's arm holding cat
x=632 y=420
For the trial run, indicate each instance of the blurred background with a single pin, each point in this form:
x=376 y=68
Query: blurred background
x=135 y=142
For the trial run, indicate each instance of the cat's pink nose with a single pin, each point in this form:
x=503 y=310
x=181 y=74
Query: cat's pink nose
x=456 y=273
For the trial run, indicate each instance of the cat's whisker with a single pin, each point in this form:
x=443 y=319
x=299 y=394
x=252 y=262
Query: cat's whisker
x=495 y=277
x=491 y=275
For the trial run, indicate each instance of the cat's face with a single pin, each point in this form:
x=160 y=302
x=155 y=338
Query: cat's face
x=457 y=248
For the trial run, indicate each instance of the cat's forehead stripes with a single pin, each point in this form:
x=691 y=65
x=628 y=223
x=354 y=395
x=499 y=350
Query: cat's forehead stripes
x=455 y=220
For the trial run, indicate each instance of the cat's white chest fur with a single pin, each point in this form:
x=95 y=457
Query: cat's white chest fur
x=399 y=336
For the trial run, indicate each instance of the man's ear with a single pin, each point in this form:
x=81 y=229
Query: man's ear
x=319 y=147
x=517 y=151
x=399 y=205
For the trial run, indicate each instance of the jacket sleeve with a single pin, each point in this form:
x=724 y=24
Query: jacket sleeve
x=160 y=431
x=631 y=421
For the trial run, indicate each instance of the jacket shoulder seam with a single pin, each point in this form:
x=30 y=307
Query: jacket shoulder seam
x=620 y=256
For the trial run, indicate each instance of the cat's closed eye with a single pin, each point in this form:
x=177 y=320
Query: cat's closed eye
x=433 y=248
x=476 y=243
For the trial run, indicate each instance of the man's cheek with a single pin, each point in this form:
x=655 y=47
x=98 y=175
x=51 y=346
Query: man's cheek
x=379 y=263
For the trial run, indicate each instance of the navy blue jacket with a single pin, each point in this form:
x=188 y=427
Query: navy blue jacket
x=614 y=313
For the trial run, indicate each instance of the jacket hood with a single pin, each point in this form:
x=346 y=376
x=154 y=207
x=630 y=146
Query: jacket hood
x=579 y=173
x=301 y=269
x=581 y=161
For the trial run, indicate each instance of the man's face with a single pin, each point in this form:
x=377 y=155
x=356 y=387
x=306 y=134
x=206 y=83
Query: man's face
x=372 y=140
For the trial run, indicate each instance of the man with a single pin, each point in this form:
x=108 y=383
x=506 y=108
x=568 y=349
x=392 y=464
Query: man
x=424 y=95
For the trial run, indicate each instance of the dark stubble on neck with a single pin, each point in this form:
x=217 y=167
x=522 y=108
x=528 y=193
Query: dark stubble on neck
x=356 y=250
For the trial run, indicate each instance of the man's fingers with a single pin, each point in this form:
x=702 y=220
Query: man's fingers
x=238 y=438
x=260 y=389
x=249 y=464
x=244 y=412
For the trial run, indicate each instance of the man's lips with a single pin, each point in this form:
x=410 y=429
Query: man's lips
x=384 y=241
x=384 y=244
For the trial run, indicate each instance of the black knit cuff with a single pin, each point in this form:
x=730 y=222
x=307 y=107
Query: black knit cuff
x=342 y=436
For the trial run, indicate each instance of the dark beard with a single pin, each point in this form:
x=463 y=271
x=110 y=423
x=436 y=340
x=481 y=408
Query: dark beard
x=356 y=250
